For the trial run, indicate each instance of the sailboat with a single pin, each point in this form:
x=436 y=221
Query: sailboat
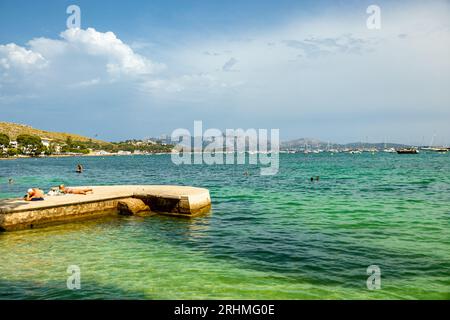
x=435 y=149
x=439 y=149
x=386 y=149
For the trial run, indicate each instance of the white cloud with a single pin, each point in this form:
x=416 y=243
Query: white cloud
x=13 y=56
x=81 y=59
x=315 y=47
x=200 y=82
x=49 y=48
x=121 y=59
x=331 y=66
x=89 y=51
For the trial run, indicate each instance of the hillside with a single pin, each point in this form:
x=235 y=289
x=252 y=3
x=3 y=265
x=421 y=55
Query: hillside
x=317 y=144
x=302 y=142
x=379 y=145
x=14 y=129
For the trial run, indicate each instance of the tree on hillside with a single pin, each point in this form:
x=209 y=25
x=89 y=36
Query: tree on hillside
x=30 y=144
x=50 y=149
x=13 y=152
x=69 y=142
x=4 y=143
x=4 y=140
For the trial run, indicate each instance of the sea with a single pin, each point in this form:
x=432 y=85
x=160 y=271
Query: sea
x=372 y=226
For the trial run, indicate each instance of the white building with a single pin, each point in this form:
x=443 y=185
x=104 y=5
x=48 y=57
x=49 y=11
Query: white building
x=102 y=152
x=46 y=141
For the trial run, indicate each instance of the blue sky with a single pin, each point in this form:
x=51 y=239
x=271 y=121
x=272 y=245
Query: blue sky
x=309 y=68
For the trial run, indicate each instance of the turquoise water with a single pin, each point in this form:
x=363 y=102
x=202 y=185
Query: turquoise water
x=267 y=237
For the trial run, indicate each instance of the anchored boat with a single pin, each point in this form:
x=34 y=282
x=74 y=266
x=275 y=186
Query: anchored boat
x=407 y=151
x=436 y=149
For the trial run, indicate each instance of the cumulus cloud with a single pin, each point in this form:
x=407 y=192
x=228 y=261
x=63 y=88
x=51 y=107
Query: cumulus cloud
x=121 y=59
x=13 y=56
x=89 y=51
x=85 y=58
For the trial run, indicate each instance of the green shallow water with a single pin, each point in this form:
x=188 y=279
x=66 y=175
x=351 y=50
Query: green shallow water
x=268 y=237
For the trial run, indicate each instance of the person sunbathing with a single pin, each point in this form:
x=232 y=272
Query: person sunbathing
x=34 y=194
x=84 y=191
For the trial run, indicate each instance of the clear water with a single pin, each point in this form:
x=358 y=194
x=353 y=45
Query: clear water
x=279 y=237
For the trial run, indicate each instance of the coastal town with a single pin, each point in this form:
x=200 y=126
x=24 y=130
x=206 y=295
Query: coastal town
x=28 y=142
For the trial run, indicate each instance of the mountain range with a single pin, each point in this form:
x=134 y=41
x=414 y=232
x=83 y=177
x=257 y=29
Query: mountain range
x=311 y=143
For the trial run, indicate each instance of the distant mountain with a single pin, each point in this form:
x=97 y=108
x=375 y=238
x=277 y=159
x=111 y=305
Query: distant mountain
x=311 y=143
x=305 y=143
x=379 y=145
x=15 y=129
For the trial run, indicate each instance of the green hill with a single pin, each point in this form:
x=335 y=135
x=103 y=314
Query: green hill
x=14 y=129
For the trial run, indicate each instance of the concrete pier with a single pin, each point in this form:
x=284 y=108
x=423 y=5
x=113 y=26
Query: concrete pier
x=171 y=200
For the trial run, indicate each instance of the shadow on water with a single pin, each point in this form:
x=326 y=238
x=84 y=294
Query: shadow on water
x=324 y=261
x=21 y=289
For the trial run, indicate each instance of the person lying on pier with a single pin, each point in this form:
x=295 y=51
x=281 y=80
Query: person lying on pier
x=63 y=189
x=34 y=194
x=55 y=192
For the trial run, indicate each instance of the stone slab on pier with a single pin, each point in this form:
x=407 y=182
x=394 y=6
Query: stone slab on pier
x=172 y=200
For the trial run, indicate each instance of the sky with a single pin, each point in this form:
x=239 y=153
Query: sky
x=136 y=69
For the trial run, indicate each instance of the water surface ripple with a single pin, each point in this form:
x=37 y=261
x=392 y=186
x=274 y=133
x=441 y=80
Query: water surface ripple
x=268 y=237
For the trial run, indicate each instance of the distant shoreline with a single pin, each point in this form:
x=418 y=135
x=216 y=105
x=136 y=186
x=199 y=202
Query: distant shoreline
x=83 y=155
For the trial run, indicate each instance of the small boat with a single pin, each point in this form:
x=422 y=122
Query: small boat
x=439 y=149
x=407 y=151
x=435 y=149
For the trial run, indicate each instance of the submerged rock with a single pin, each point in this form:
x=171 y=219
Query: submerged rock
x=131 y=206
